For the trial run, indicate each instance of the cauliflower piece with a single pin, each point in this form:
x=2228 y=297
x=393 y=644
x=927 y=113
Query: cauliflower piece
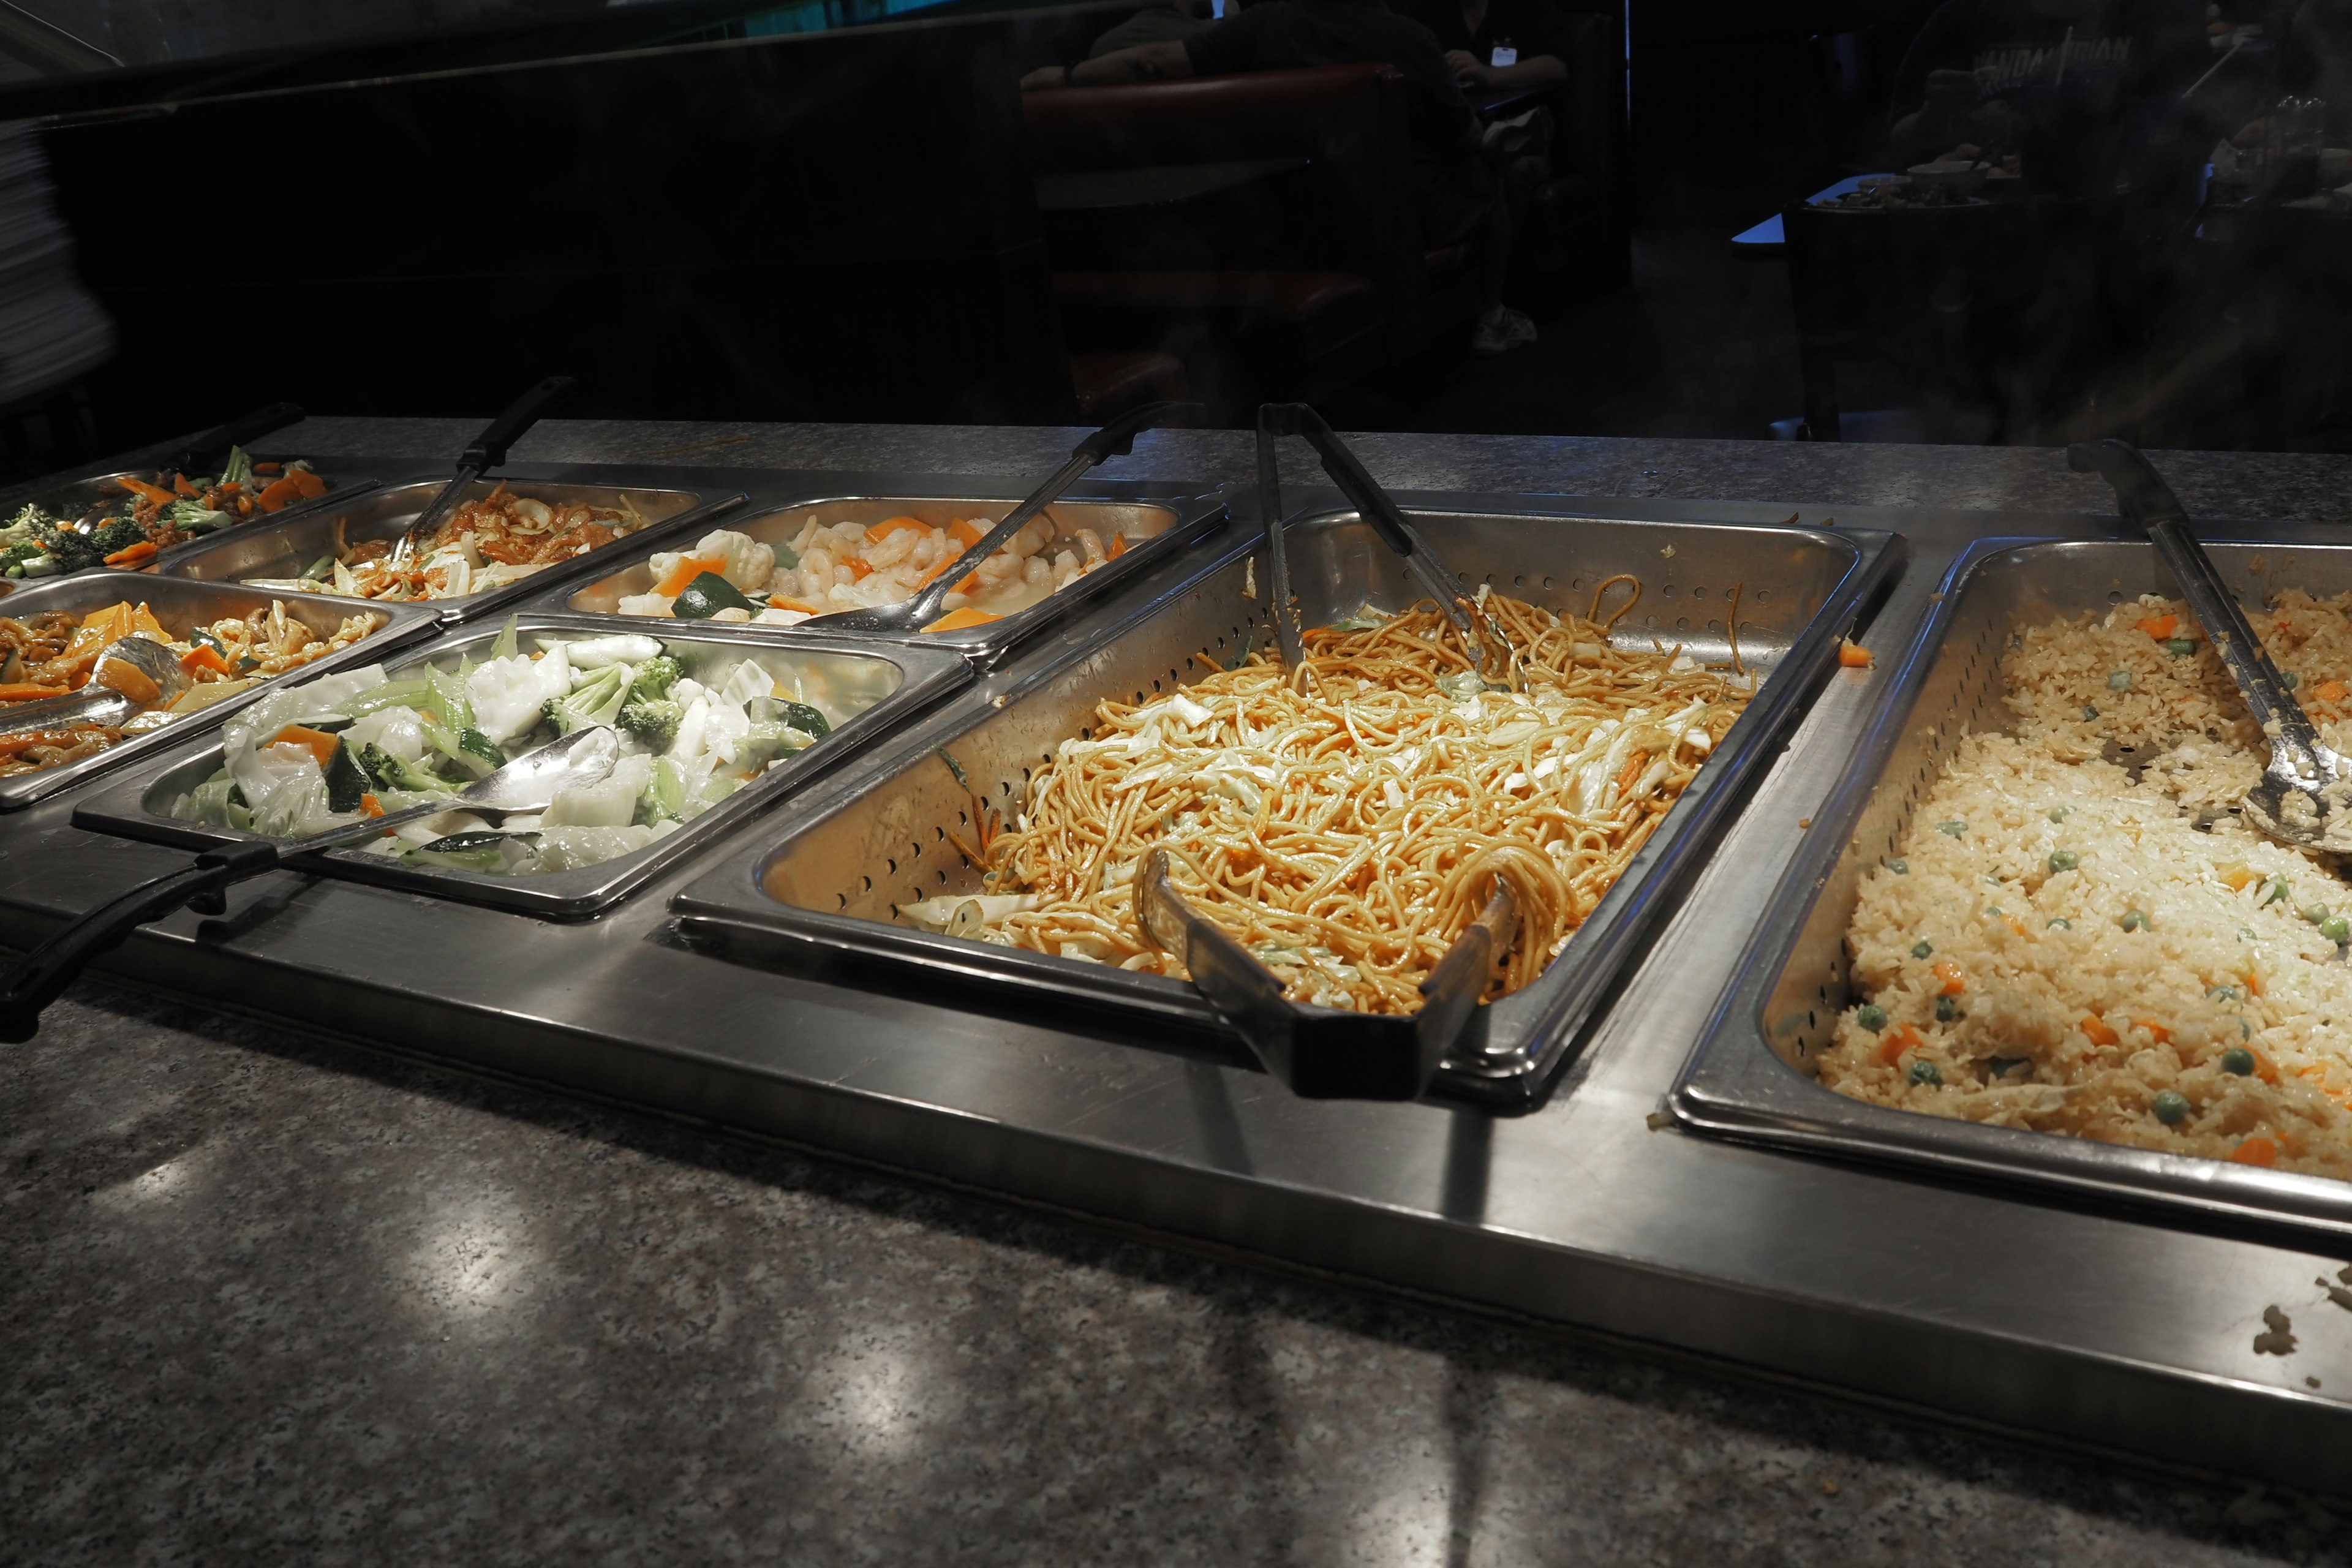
x=509 y=694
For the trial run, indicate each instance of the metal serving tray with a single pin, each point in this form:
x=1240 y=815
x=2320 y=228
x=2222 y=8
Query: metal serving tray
x=880 y=838
x=894 y=683
x=70 y=501
x=1168 y=517
x=1752 y=1076
x=285 y=548
x=179 y=605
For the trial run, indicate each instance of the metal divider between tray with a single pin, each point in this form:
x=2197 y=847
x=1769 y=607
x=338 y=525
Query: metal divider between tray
x=1736 y=1085
x=729 y=910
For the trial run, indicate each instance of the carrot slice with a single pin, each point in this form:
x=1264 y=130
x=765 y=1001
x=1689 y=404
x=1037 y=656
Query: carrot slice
x=688 y=569
x=278 y=493
x=890 y=525
x=312 y=486
x=781 y=602
x=203 y=657
x=268 y=467
x=1955 y=981
x=181 y=487
x=371 y=806
x=1853 y=656
x=121 y=675
x=2157 y=1031
x=2160 y=627
x=1633 y=770
x=2264 y=1069
x=2096 y=1030
x=132 y=554
x=957 y=620
x=1901 y=1038
x=1118 y=545
x=2255 y=1152
x=28 y=691
x=156 y=493
x=319 y=744
x=967 y=534
x=971 y=584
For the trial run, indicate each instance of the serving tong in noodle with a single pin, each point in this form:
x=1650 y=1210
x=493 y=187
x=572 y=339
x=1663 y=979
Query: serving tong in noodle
x=911 y=614
x=1375 y=507
x=2305 y=783
x=1329 y=1053
x=483 y=453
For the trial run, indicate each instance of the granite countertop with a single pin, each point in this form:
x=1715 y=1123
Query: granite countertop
x=269 y=1297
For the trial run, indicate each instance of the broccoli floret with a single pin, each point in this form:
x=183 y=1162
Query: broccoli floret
x=116 y=533
x=598 y=701
x=654 y=722
x=72 y=552
x=653 y=678
x=389 y=772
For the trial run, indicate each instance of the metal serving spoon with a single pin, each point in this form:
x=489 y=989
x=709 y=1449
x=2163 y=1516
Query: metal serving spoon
x=483 y=453
x=132 y=675
x=2306 y=783
x=528 y=783
x=1328 y=1053
x=1114 y=440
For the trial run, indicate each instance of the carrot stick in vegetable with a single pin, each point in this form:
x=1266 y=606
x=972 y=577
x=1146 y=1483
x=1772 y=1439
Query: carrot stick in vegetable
x=28 y=691
x=181 y=487
x=203 y=657
x=132 y=554
x=156 y=493
x=278 y=493
x=312 y=486
x=688 y=569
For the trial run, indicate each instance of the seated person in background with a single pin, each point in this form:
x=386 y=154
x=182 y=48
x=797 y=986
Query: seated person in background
x=1497 y=43
x=2087 y=92
x=1170 y=22
x=1451 y=185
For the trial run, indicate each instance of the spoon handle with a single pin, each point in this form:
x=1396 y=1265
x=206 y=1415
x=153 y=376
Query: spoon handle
x=2147 y=501
x=36 y=981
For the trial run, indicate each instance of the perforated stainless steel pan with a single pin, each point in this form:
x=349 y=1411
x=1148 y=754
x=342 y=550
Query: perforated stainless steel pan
x=284 y=549
x=1164 y=519
x=824 y=891
x=179 y=605
x=1753 y=1074
x=883 y=684
x=70 y=502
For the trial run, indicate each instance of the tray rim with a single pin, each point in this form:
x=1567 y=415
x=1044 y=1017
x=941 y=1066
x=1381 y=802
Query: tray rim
x=930 y=676
x=399 y=631
x=1203 y=511
x=1733 y=1085
x=726 y=908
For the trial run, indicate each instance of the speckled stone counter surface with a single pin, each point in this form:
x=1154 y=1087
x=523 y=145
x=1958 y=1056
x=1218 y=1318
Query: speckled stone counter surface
x=266 y=1298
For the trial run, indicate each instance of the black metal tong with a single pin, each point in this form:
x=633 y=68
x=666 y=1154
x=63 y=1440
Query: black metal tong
x=1329 y=1053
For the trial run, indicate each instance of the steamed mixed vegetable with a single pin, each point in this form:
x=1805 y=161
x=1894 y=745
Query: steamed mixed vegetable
x=696 y=723
x=144 y=518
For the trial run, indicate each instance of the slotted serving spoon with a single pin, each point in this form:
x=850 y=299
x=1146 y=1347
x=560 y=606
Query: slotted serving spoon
x=1372 y=504
x=483 y=453
x=2305 y=797
x=528 y=783
x=909 y=616
x=1328 y=1053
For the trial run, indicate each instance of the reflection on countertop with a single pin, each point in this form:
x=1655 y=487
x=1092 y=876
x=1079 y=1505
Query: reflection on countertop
x=270 y=1299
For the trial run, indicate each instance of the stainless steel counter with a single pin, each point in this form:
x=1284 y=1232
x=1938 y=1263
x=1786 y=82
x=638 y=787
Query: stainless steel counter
x=2086 y=1327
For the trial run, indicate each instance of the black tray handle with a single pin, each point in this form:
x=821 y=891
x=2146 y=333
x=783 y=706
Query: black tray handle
x=36 y=981
x=489 y=450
